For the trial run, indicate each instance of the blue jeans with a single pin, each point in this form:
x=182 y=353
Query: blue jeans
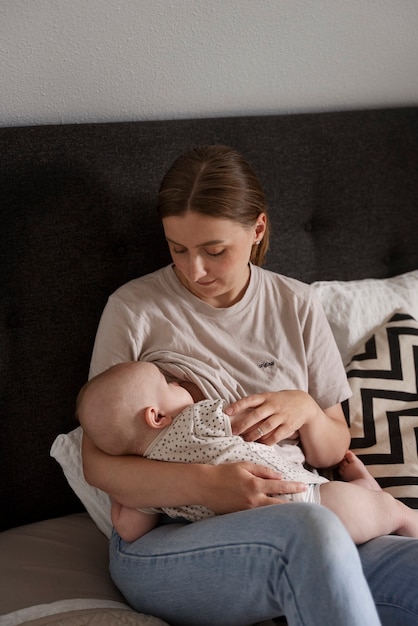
x=238 y=569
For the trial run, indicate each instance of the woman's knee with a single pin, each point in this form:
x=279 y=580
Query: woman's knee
x=319 y=535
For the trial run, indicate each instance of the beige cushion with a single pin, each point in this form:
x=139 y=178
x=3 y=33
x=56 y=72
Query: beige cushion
x=54 y=560
x=57 y=570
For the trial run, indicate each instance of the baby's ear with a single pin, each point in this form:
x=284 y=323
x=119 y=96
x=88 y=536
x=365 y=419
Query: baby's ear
x=154 y=419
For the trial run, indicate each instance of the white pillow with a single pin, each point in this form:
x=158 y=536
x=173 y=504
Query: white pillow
x=356 y=308
x=66 y=449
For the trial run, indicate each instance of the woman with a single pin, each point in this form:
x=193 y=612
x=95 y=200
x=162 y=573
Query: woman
x=223 y=326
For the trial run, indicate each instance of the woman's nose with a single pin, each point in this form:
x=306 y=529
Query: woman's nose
x=196 y=268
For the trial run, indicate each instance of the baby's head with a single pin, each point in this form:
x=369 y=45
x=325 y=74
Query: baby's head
x=121 y=408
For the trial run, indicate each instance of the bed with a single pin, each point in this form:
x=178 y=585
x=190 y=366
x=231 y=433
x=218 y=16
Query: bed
x=78 y=220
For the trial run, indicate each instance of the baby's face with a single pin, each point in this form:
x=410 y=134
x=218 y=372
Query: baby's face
x=175 y=397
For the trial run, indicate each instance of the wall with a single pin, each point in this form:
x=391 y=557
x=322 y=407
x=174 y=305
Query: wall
x=103 y=60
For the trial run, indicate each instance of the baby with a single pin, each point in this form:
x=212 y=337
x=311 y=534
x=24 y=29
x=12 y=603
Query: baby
x=131 y=409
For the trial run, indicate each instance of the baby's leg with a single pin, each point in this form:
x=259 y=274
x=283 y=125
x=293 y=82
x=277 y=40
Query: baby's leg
x=368 y=513
x=351 y=469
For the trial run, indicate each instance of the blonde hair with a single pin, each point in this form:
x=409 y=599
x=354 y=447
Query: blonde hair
x=98 y=416
x=215 y=180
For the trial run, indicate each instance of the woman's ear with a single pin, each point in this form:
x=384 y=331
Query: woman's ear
x=155 y=419
x=260 y=227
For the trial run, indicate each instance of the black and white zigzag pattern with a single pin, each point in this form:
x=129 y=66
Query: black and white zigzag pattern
x=383 y=411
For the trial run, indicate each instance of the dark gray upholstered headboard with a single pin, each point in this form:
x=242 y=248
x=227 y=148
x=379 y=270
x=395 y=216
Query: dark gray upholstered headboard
x=78 y=219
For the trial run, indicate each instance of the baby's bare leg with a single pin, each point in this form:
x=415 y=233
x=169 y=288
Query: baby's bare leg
x=368 y=513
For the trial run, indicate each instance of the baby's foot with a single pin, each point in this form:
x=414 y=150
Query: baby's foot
x=352 y=469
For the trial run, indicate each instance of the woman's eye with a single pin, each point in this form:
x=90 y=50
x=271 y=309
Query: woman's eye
x=178 y=251
x=215 y=253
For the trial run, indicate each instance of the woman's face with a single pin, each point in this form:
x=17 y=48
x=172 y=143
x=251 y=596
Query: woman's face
x=211 y=255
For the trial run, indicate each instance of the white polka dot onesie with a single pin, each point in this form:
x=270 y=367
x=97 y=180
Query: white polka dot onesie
x=202 y=434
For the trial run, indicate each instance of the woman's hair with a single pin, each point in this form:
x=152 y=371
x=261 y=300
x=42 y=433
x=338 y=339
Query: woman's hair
x=217 y=181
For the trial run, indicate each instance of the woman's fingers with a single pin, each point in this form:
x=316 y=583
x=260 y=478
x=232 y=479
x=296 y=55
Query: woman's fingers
x=245 y=485
x=272 y=485
x=269 y=417
x=249 y=402
x=248 y=413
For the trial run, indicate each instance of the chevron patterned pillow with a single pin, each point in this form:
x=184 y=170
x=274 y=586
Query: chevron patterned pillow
x=383 y=411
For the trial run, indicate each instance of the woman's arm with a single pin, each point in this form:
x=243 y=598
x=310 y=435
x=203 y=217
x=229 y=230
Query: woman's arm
x=324 y=435
x=137 y=482
x=326 y=438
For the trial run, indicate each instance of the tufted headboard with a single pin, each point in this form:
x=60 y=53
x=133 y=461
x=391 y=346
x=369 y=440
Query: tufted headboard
x=78 y=219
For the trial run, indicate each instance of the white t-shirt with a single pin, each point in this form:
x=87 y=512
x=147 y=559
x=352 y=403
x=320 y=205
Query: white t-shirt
x=276 y=337
x=202 y=433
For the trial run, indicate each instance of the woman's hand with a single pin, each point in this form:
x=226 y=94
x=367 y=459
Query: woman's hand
x=232 y=487
x=274 y=416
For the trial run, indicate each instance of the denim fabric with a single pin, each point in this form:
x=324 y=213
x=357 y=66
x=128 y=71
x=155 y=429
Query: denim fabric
x=391 y=568
x=238 y=569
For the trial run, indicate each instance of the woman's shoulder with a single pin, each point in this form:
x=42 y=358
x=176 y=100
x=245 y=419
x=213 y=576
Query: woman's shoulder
x=147 y=282
x=285 y=284
x=139 y=294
